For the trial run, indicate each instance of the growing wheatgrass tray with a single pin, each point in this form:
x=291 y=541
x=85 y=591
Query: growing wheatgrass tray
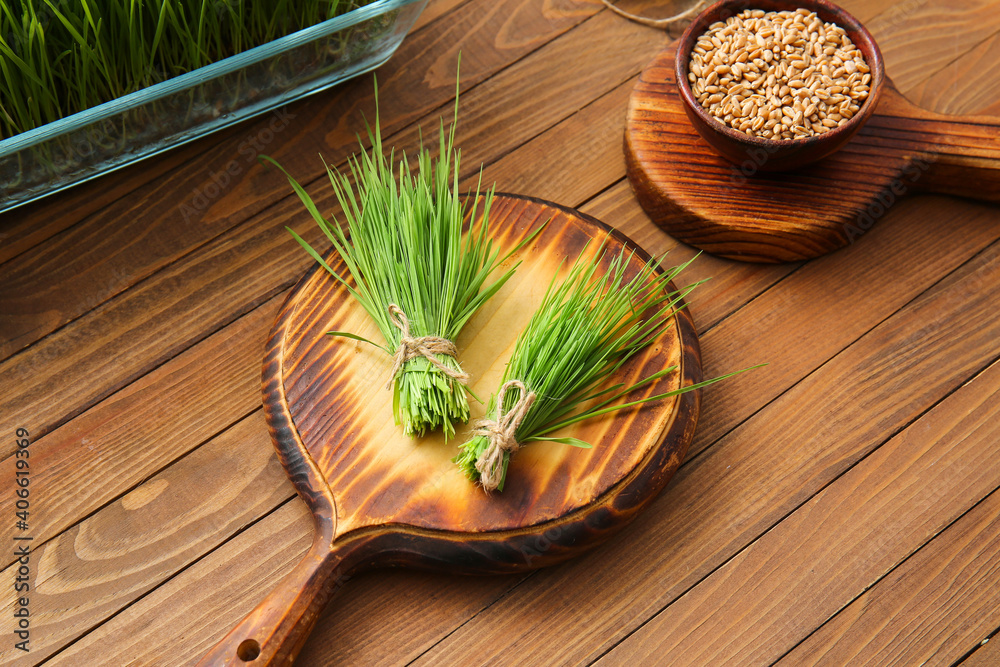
x=90 y=86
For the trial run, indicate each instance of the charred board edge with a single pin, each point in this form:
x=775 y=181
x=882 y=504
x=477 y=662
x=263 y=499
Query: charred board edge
x=299 y=465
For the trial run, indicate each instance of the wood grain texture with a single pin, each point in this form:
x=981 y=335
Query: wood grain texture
x=940 y=32
x=739 y=212
x=929 y=610
x=986 y=655
x=98 y=567
x=121 y=443
x=379 y=497
x=771 y=595
x=167 y=626
x=967 y=87
x=820 y=309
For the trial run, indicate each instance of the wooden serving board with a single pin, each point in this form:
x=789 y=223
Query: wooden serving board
x=739 y=212
x=379 y=498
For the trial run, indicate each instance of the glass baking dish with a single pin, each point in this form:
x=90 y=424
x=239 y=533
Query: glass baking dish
x=117 y=133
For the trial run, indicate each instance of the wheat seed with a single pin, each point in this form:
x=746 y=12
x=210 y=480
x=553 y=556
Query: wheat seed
x=779 y=75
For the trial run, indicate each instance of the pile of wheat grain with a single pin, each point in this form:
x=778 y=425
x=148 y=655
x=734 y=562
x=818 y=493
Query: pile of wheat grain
x=778 y=75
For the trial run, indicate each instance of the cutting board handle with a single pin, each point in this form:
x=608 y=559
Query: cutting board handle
x=274 y=632
x=955 y=155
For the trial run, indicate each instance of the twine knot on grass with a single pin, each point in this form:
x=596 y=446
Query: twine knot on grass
x=421 y=346
x=502 y=434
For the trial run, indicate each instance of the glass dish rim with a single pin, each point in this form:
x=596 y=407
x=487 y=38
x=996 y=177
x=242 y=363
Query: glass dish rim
x=178 y=83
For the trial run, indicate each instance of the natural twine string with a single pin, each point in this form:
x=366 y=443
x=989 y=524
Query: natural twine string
x=657 y=23
x=421 y=346
x=501 y=433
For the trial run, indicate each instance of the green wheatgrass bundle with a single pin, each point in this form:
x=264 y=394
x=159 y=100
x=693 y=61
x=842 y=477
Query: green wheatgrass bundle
x=416 y=273
x=585 y=329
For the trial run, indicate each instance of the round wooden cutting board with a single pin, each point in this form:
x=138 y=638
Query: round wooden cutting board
x=380 y=498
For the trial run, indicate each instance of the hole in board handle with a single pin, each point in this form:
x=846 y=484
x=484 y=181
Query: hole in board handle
x=248 y=650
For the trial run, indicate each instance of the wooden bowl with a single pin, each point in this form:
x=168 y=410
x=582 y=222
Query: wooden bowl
x=787 y=154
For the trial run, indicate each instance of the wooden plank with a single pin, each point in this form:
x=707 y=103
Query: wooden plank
x=122 y=442
x=958 y=27
x=88 y=572
x=55 y=283
x=770 y=596
x=932 y=609
x=987 y=655
x=159 y=316
x=768 y=466
x=68 y=371
x=591 y=136
x=434 y=10
x=400 y=605
x=822 y=305
x=968 y=86
x=218 y=590
x=210 y=592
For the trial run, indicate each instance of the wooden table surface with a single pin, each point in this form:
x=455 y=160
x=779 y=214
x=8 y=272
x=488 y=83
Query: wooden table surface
x=839 y=506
